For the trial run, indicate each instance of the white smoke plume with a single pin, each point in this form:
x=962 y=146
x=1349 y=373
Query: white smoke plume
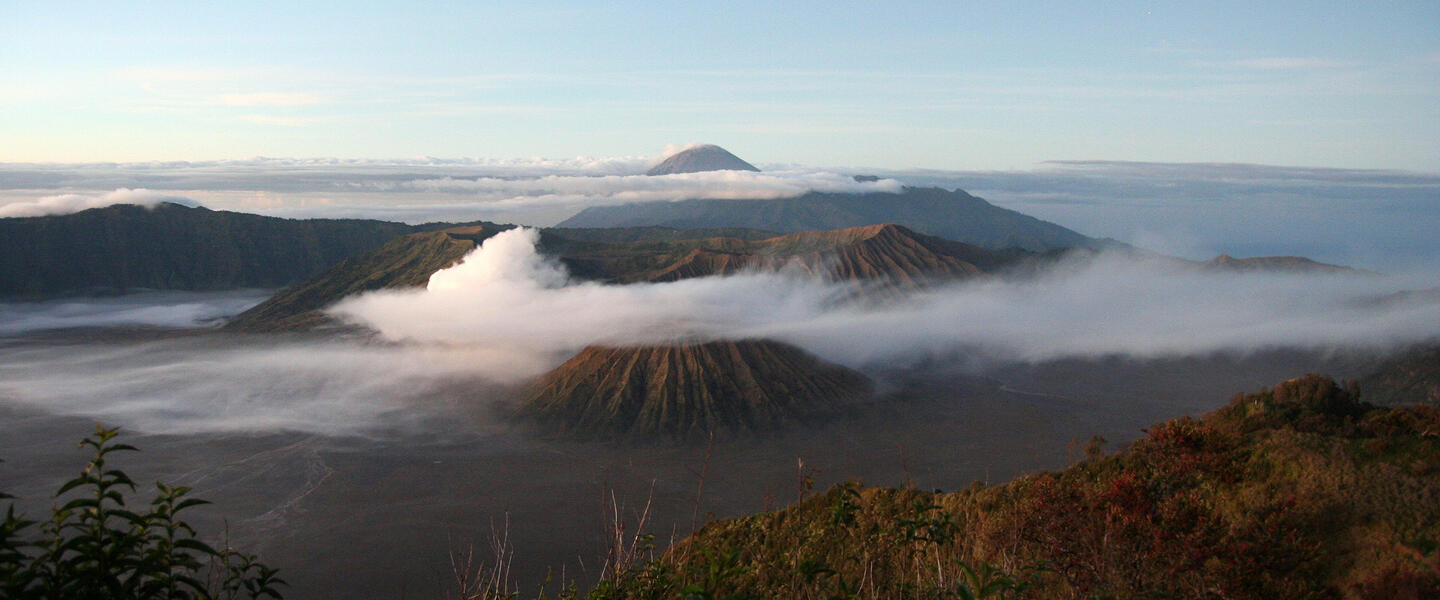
x=505 y=296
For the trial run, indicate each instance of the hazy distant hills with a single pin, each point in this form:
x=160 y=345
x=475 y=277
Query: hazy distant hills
x=688 y=391
x=706 y=157
x=174 y=247
x=953 y=215
x=886 y=255
x=1290 y=264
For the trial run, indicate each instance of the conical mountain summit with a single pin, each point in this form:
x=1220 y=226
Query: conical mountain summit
x=698 y=159
x=690 y=391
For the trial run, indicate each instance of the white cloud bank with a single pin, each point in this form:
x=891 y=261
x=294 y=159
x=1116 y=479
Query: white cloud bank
x=72 y=203
x=508 y=299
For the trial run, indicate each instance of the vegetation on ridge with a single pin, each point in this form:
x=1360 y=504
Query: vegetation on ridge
x=1300 y=491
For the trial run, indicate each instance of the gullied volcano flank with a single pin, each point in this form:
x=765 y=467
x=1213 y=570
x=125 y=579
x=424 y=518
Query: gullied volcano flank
x=697 y=159
x=691 y=390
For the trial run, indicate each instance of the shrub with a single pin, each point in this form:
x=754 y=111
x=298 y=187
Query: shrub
x=96 y=546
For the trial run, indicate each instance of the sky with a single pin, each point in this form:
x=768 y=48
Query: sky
x=994 y=86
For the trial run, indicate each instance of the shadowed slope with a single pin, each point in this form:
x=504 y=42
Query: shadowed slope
x=407 y=261
x=173 y=247
x=888 y=254
x=1409 y=376
x=690 y=390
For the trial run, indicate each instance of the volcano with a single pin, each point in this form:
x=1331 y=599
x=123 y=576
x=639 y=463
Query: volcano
x=691 y=391
x=698 y=159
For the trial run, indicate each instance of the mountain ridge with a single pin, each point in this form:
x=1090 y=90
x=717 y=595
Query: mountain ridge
x=888 y=256
x=953 y=215
x=123 y=247
x=404 y=262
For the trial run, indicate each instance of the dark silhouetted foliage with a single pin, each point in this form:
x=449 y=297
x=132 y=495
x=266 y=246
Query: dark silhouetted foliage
x=96 y=546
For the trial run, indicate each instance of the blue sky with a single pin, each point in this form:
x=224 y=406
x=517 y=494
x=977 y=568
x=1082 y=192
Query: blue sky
x=923 y=85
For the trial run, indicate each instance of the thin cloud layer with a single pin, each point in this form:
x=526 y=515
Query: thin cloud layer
x=532 y=191
x=209 y=384
x=71 y=203
x=154 y=309
x=623 y=189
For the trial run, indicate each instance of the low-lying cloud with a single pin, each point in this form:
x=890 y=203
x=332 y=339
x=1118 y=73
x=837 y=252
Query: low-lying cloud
x=71 y=203
x=170 y=309
x=506 y=297
x=214 y=384
x=507 y=314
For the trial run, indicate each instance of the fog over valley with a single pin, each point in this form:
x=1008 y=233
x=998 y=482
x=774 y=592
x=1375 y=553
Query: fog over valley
x=399 y=392
x=740 y=301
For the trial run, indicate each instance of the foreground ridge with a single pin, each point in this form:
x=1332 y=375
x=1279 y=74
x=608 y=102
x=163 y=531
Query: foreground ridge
x=1300 y=491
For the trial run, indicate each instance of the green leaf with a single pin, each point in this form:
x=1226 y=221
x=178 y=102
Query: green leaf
x=189 y=503
x=72 y=484
x=80 y=503
x=196 y=545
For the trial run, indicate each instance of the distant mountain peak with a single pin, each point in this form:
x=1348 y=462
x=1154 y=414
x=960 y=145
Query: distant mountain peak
x=701 y=158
